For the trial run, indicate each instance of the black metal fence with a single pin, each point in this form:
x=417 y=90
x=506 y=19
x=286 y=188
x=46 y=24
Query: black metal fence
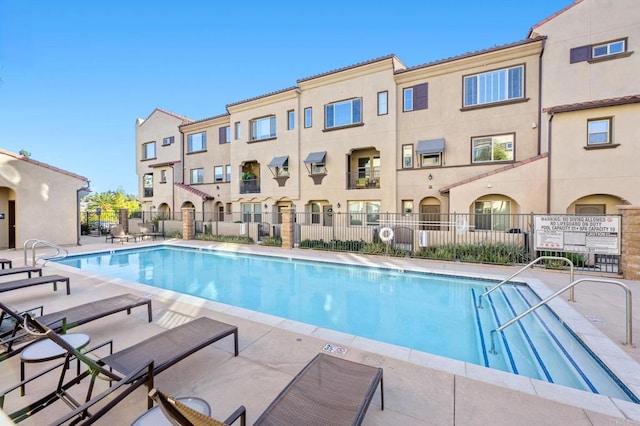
x=506 y=239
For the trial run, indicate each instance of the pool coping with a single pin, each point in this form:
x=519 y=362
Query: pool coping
x=619 y=362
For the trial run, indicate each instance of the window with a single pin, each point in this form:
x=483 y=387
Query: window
x=430 y=160
x=407 y=156
x=608 y=49
x=228 y=173
x=291 y=120
x=315 y=163
x=263 y=128
x=149 y=151
x=147 y=184
x=415 y=98
x=307 y=118
x=197 y=142
x=252 y=212
x=494 y=86
x=224 y=134
x=364 y=212
x=167 y=141
x=383 y=103
x=236 y=127
x=315 y=212
x=343 y=113
x=407 y=206
x=599 y=131
x=492 y=215
x=492 y=148
x=163 y=176
x=197 y=176
x=217 y=174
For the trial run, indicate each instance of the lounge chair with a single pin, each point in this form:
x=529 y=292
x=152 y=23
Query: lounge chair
x=29 y=270
x=134 y=366
x=117 y=232
x=39 y=280
x=61 y=321
x=328 y=391
x=147 y=230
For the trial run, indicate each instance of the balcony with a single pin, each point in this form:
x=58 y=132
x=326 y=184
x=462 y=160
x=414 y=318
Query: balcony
x=250 y=186
x=362 y=181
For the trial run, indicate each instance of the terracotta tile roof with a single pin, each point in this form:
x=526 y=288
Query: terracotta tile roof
x=544 y=21
x=185 y=120
x=44 y=165
x=600 y=103
x=262 y=96
x=166 y=163
x=446 y=189
x=197 y=192
x=359 y=64
x=204 y=119
x=470 y=54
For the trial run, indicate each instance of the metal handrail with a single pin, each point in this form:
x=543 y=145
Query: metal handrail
x=31 y=244
x=522 y=269
x=628 y=298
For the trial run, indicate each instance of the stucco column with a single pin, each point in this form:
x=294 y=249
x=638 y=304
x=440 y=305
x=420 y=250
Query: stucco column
x=287 y=228
x=630 y=244
x=123 y=219
x=188 y=223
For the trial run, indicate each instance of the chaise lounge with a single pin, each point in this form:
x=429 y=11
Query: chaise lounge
x=328 y=391
x=32 y=281
x=29 y=270
x=63 y=320
x=117 y=232
x=134 y=366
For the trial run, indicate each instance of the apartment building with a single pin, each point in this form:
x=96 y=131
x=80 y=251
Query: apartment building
x=544 y=124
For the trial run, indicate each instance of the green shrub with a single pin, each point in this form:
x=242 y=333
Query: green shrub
x=272 y=241
x=239 y=239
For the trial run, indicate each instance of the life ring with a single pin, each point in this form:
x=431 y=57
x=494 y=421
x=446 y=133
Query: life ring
x=462 y=225
x=386 y=234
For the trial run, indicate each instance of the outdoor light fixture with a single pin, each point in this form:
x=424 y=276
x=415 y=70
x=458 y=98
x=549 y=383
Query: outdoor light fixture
x=266 y=206
x=430 y=176
x=338 y=205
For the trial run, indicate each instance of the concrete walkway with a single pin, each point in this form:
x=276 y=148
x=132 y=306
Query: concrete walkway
x=420 y=389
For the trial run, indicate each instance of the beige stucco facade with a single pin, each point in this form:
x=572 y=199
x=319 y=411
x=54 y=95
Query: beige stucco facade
x=448 y=136
x=38 y=201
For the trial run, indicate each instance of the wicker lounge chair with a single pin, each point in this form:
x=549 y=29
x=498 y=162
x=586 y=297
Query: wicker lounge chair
x=134 y=366
x=13 y=341
x=29 y=270
x=39 y=280
x=328 y=391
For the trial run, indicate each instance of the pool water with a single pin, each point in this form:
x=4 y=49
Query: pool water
x=431 y=313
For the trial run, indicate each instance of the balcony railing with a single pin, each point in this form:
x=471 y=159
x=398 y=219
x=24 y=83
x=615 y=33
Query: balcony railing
x=357 y=181
x=250 y=186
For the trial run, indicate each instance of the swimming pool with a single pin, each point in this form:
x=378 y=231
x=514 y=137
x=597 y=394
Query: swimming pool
x=425 y=312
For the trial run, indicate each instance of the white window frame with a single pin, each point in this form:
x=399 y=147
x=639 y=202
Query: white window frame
x=364 y=213
x=494 y=141
x=407 y=156
x=227 y=175
x=407 y=99
x=237 y=130
x=251 y=212
x=430 y=160
x=168 y=140
x=291 y=120
x=493 y=86
x=197 y=142
x=383 y=103
x=197 y=176
x=308 y=117
x=218 y=174
x=608 y=49
x=595 y=131
x=348 y=113
x=258 y=128
x=163 y=176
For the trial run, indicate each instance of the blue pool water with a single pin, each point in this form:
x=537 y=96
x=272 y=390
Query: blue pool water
x=425 y=312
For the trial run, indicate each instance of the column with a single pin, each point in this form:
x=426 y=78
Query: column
x=630 y=244
x=188 y=223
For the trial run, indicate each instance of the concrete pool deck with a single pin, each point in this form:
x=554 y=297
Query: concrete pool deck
x=420 y=389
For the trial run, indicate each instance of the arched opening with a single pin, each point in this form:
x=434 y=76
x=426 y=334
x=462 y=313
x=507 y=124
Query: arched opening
x=431 y=214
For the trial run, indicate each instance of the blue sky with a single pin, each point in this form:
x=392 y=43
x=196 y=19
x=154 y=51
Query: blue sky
x=75 y=75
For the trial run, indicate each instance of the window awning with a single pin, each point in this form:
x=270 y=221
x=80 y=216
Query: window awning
x=431 y=146
x=316 y=157
x=278 y=161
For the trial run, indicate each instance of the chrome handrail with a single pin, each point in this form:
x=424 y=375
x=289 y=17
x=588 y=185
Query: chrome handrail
x=628 y=297
x=525 y=267
x=31 y=244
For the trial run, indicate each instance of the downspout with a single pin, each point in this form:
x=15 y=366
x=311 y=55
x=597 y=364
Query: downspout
x=80 y=193
x=540 y=96
x=551 y=115
x=173 y=192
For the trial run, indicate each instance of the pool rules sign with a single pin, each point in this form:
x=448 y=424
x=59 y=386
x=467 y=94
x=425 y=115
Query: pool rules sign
x=578 y=234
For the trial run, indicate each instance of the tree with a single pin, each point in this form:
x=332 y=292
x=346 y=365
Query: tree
x=112 y=201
